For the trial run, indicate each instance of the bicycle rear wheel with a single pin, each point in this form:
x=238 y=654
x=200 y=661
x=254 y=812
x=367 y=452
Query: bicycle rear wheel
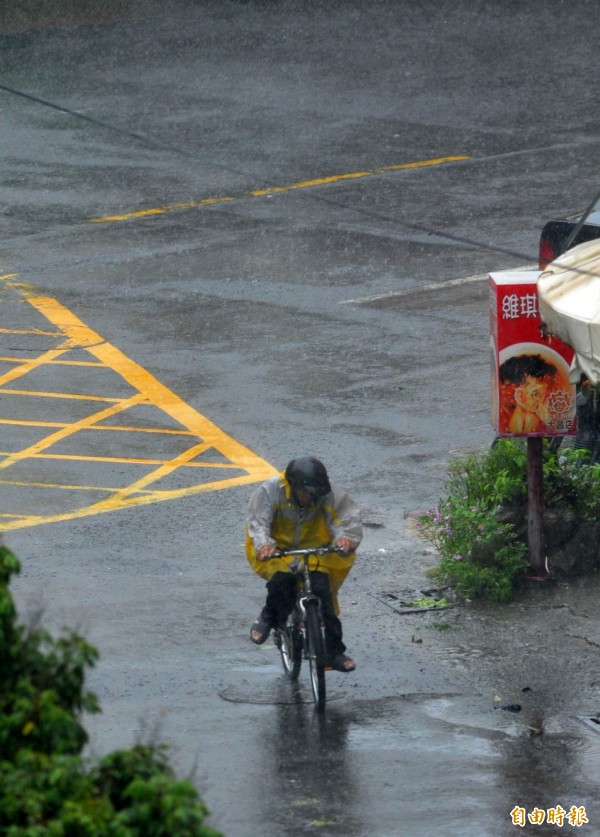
x=315 y=652
x=289 y=642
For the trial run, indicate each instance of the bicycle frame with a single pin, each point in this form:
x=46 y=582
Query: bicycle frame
x=307 y=622
x=300 y=568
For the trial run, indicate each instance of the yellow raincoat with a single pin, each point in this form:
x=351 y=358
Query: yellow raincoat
x=275 y=518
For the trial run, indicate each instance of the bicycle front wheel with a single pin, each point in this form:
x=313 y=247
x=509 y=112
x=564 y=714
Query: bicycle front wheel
x=290 y=647
x=315 y=652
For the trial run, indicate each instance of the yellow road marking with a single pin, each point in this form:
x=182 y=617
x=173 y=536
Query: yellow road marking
x=61 y=486
x=129 y=460
x=30 y=423
x=122 y=428
x=29 y=331
x=144 y=382
x=202 y=438
x=11 y=359
x=272 y=190
x=41 y=394
x=28 y=365
x=69 y=430
x=164 y=469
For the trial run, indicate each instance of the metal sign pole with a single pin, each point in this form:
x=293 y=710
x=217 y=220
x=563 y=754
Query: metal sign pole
x=535 y=507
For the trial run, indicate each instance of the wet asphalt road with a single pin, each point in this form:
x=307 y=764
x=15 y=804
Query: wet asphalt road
x=321 y=289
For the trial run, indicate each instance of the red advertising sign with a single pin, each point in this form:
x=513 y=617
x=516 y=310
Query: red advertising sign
x=531 y=391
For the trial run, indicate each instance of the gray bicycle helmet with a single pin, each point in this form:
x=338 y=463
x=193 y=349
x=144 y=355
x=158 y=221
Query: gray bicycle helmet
x=310 y=474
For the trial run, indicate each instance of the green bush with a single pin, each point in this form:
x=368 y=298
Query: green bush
x=47 y=789
x=481 y=556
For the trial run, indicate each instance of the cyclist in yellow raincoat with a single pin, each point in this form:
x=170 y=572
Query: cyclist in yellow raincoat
x=300 y=509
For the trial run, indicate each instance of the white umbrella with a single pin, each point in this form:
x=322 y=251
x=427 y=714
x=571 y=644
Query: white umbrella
x=569 y=299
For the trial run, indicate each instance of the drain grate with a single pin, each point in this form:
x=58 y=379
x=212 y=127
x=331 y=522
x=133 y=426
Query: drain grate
x=415 y=601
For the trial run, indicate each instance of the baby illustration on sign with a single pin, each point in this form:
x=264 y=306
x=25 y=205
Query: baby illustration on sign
x=527 y=382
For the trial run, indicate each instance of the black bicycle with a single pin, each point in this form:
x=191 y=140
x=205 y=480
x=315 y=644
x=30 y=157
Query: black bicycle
x=303 y=635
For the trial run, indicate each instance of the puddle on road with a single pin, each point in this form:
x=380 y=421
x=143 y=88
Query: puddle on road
x=273 y=696
x=451 y=747
x=460 y=656
x=591 y=722
x=267 y=686
x=589 y=755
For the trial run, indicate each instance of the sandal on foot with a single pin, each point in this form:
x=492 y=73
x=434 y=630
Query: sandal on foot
x=342 y=663
x=261 y=629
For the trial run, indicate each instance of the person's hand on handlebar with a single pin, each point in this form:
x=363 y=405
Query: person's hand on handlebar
x=265 y=552
x=345 y=544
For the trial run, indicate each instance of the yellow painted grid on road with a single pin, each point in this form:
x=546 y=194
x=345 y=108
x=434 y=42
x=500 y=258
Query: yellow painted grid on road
x=205 y=449
x=273 y=190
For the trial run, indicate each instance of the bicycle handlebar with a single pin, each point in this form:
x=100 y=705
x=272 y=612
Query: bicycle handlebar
x=318 y=550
